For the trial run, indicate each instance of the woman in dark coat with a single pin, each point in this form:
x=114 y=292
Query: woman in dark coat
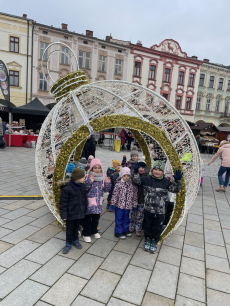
x=89 y=148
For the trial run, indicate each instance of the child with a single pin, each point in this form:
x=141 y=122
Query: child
x=69 y=169
x=152 y=152
x=72 y=207
x=137 y=216
x=134 y=158
x=156 y=187
x=90 y=158
x=124 y=199
x=95 y=185
x=113 y=173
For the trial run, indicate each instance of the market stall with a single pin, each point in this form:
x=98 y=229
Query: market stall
x=224 y=133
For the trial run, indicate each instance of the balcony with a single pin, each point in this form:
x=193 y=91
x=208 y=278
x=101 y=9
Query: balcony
x=207 y=113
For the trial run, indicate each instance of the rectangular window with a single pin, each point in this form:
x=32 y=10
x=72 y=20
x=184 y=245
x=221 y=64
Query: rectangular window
x=178 y=102
x=221 y=83
x=118 y=66
x=152 y=72
x=228 y=89
x=87 y=60
x=14 y=44
x=167 y=75
x=211 y=81
x=103 y=47
x=226 y=109
x=14 y=78
x=191 y=79
x=43 y=46
x=137 y=69
x=208 y=103
x=188 y=104
x=120 y=51
x=201 y=83
x=101 y=63
x=42 y=82
x=45 y=32
x=165 y=96
x=64 y=58
x=217 y=106
x=85 y=42
x=198 y=102
x=81 y=59
x=181 y=78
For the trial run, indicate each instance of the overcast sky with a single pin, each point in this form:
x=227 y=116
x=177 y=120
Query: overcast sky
x=201 y=27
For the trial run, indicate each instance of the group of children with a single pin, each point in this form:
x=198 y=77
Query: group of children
x=135 y=194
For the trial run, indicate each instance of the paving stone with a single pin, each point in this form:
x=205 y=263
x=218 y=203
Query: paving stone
x=35 y=205
x=180 y=230
x=226 y=236
x=151 y=299
x=127 y=245
x=2 y=270
x=65 y=290
x=40 y=303
x=104 y=224
x=210 y=210
x=211 y=217
x=86 y=266
x=61 y=235
x=20 y=222
x=108 y=216
x=17 y=213
x=4 y=246
x=175 y=241
x=193 y=227
x=38 y=213
x=192 y=267
x=74 y=253
x=213 y=237
x=26 y=294
x=15 y=275
x=215 y=250
x=170 y=255
x=224 y=211
x=194 y=239
x=195 y=219
x=4 y=221
x=45 y=234
x=183 y=301
x=46 y=251
x=102 y=247
x=17 y=252
x=224 y=217
x=225 y=224
x=83 y=301
x=218 y=281
x=215 y=298
x=212 y=225
x=20 y=234
x=191 y=287
x=143 y=259
x=101 y=286
x=196 y=211
x=52 y=270
x=139 y=278
x=16 y=205
x=3 y=212
x=109 y=234
x=217 y=263
x=4 y=232
x=43 y=221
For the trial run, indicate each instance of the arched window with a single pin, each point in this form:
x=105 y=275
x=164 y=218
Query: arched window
x=226 y=109
x=208 y=104
x=217 y=109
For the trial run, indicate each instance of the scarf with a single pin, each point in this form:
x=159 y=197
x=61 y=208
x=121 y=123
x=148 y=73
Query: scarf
x=97 y=177
x=158 y=178
x=141 y=172
x=76 y=186
x=124 y=181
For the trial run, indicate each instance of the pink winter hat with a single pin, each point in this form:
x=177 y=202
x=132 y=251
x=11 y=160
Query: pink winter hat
x=94 y=162
x=125 y=171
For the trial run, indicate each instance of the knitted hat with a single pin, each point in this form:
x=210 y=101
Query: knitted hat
x=77 y=174
x=94 y=162
x=159 y=164
x=125 y=171
x=83 y=162
x=142 y=163
x=116 y=163
x=134 y=151
x=70 y=168
x=91 y=157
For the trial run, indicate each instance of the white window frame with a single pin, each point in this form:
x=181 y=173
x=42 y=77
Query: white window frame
x=118 y=66
x=198 y=102
x=217 y=109
x=43 y=46
x=87 y=60
x=213 y=81
x=44 y=82
x=102 y=63
x=152 y=72
x=64 y=58
x=81 y=59
x=208 y=108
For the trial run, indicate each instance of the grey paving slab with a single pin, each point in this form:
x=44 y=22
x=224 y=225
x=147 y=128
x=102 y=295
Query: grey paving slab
x=127 y=245
x=46 y=251
x=108 y=216
x=191 y=287
x=17 y=252
x=151 y=299
x=20 y=234
x=218 y=281
x=143 y=259
x=3 y=212
x=213 y=237
x=17 y=213
x=4 y=221
x=38 y=213
x=175 y=241
x=15 y=275
x=2 y=270
x=139 y=278
x=52 y=270
x=164 y=280
x=35 y=205
x=192 y=267
x=116 y=262
x=101 y=286
x=83 y=301
x=196 y=211
x=211 y=217
x=215 y=298
x=45 y=234
x=169 y=255
x=194 y=227
x=27 y=294
x=195 y=219
x=109 y=233
x=217 y=263
x=20 y=222
x=212 y=225
x=226 y=236
x=4 y=246
x=65 y=290
x=224 y=217
x=4 y=232
x=210 y=210
x=40 y=303
x=180 y=230
x=183 y=301
x=223 y=210
x=74 y=253
x=61 y=235
x=86 y=266
x=225 y=224
x=104 y=224
x=194 y=239
x=215 y=250
x=102 y=247
x=16 y=205
x=44 y=220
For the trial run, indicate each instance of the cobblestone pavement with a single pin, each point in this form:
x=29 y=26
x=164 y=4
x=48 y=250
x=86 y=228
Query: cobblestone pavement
x=191 y=268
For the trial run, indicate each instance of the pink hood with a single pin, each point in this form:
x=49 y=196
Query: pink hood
x=94 y=162
x=224 y=151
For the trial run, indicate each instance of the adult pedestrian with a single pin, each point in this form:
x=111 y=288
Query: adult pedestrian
x=224 y=152
x=123 y=133
x=198 y=141
x=89 y=148
x=2 y=134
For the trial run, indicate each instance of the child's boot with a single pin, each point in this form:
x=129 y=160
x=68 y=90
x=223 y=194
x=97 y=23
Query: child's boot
x=66 y=249
x=77 y=245
x=147 y=244
x=138 y=233
x=153 y=246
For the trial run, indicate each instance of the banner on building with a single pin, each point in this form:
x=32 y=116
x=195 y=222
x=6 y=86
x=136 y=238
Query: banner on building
x=4 y=82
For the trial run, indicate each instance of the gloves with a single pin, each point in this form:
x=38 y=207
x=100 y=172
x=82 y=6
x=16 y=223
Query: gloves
x=134 y=209
x=135 y=168
x=178 y=175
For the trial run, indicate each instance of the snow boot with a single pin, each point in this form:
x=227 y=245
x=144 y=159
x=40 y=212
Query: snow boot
x=153 y=246
x=221 y=188
x=147 y=244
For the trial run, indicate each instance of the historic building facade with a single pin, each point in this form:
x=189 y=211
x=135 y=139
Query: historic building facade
x=100 y=59
x=213 y=98
x=15 y=52
x=168 y=71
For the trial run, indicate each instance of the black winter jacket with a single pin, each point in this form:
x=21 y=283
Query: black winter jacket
x=73 y=203
x=89 y=148
x=156 y=192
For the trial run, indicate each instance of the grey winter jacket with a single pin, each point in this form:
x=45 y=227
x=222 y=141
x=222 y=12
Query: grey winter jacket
x=156 y=192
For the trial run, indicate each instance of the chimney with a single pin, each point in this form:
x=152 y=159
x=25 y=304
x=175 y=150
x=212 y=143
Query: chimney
x=206 y=60
x=139 y=43
x=107 y=38
x=195 y=57
x=64 y=26
x=24 y=15
x=89 y=33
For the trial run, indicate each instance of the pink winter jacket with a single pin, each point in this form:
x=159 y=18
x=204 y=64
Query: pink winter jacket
x=224 y=150
x=124 y=195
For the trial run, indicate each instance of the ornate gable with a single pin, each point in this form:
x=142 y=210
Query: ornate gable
x=14 y=65
x=170 y=46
